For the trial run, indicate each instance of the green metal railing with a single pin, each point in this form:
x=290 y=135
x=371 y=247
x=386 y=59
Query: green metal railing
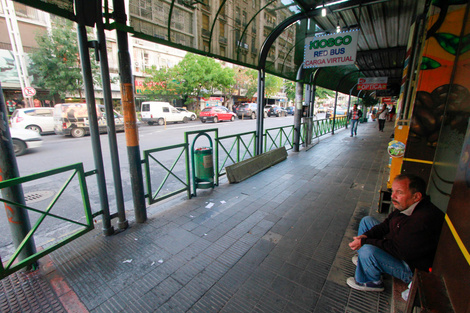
x=150 y=155
x=13 y=264
x=278 y=137
x=235 y=148
x=244 y=144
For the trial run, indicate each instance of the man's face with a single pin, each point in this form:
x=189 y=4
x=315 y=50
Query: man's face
x=402 y=197
x=355 y=107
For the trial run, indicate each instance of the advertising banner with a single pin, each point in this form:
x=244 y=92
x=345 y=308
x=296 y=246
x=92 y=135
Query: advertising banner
x=372 y=83
x=331 y=50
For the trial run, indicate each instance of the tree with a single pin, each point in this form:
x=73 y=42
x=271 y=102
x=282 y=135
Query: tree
x=195 y=76
x=55 y=65
x=246 y=80
x=272 y=85
x=289 y=89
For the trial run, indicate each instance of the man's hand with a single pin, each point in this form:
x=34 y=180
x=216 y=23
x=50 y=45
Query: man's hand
x=356 y=243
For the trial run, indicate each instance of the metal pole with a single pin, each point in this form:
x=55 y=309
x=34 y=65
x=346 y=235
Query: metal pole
x=108 y=103
x=130 y=119
x=260 y=115
x=334 y=113
x=299 y=92
x=94 y=130
x=17 y=217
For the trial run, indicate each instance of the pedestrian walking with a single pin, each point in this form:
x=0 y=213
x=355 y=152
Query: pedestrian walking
x=354 y=117
x=382 y=117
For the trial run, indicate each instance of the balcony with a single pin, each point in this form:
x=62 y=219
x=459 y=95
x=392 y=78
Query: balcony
x=242 y=45
x=206 y=33
x=206 y=7
x=223 y=40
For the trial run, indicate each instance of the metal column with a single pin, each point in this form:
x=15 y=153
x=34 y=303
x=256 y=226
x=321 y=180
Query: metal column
x=299 y=93
x=108 y=102
x=18 y=218
x=94 y=130
x=260 y=115
x=130 y=119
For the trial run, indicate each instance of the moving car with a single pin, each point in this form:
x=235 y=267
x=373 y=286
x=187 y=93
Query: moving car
x=290 y=110
x=191 y=115
x=24 y=139
x=276 y=110
x=161 y=112
x=71 y=119
x=216 y=114
x=40 y=120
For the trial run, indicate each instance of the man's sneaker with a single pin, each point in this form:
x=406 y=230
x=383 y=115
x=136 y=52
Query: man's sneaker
x=354 y=259
x=369 y=286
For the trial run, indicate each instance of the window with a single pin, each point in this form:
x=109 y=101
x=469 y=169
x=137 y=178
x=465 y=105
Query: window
x=205 y=22
x=166 y=109
x=237 y=13
x=222 y=51
x=222 y=29
x=244 y=18
x=254 y=4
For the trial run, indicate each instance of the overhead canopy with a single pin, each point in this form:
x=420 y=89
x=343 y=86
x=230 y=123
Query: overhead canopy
x=236 y=31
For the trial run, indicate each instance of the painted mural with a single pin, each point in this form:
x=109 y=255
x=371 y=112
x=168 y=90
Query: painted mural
x=442 y=106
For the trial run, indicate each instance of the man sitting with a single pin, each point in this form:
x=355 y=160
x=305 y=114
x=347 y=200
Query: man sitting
x=406 y=240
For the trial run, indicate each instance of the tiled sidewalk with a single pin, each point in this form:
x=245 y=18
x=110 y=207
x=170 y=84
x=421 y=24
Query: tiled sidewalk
x=276 y=242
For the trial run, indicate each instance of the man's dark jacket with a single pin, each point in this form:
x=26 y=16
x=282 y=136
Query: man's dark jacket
x=412 y=239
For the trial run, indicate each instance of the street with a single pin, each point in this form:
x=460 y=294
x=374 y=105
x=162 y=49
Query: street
x=58 y=151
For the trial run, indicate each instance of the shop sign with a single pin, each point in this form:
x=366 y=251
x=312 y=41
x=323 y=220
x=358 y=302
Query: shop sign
x=372 y=83
x=331 y=50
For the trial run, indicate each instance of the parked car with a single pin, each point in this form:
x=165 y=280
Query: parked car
x=24 y=139
x=247 y=110
x=161 y=112
x=276 y=110
x=191 y=115
x=40 y=120
x=216 y=114
x=290 y=110
x=71 y=119
x=266 y=109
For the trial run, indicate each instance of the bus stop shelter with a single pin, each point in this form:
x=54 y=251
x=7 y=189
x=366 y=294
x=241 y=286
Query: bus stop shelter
x=420 y=47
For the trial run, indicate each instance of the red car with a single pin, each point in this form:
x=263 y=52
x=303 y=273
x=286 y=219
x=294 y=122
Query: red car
x=216 y=114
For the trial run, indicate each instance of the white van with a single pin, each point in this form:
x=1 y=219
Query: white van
x=71 y=119
x=161 y=112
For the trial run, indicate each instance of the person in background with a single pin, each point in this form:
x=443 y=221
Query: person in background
x=406 y=240
x=11 y=106
x=392 y=113
x=354 y=117
x=382 y=117
x=37 y=103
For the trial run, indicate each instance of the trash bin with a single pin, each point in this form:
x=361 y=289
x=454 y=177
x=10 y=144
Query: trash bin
x=204 y=167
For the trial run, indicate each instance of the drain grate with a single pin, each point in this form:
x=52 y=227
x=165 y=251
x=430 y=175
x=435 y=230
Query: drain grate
x=28 y=292
x=36 y=196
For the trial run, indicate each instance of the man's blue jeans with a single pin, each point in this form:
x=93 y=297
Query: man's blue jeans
x=354 y=124
x=373 y=261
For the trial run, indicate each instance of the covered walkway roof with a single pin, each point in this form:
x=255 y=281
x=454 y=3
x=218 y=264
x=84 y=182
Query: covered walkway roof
x=236 y=31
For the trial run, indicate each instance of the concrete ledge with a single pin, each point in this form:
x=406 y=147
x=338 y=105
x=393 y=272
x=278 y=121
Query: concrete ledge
x=240 y=171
